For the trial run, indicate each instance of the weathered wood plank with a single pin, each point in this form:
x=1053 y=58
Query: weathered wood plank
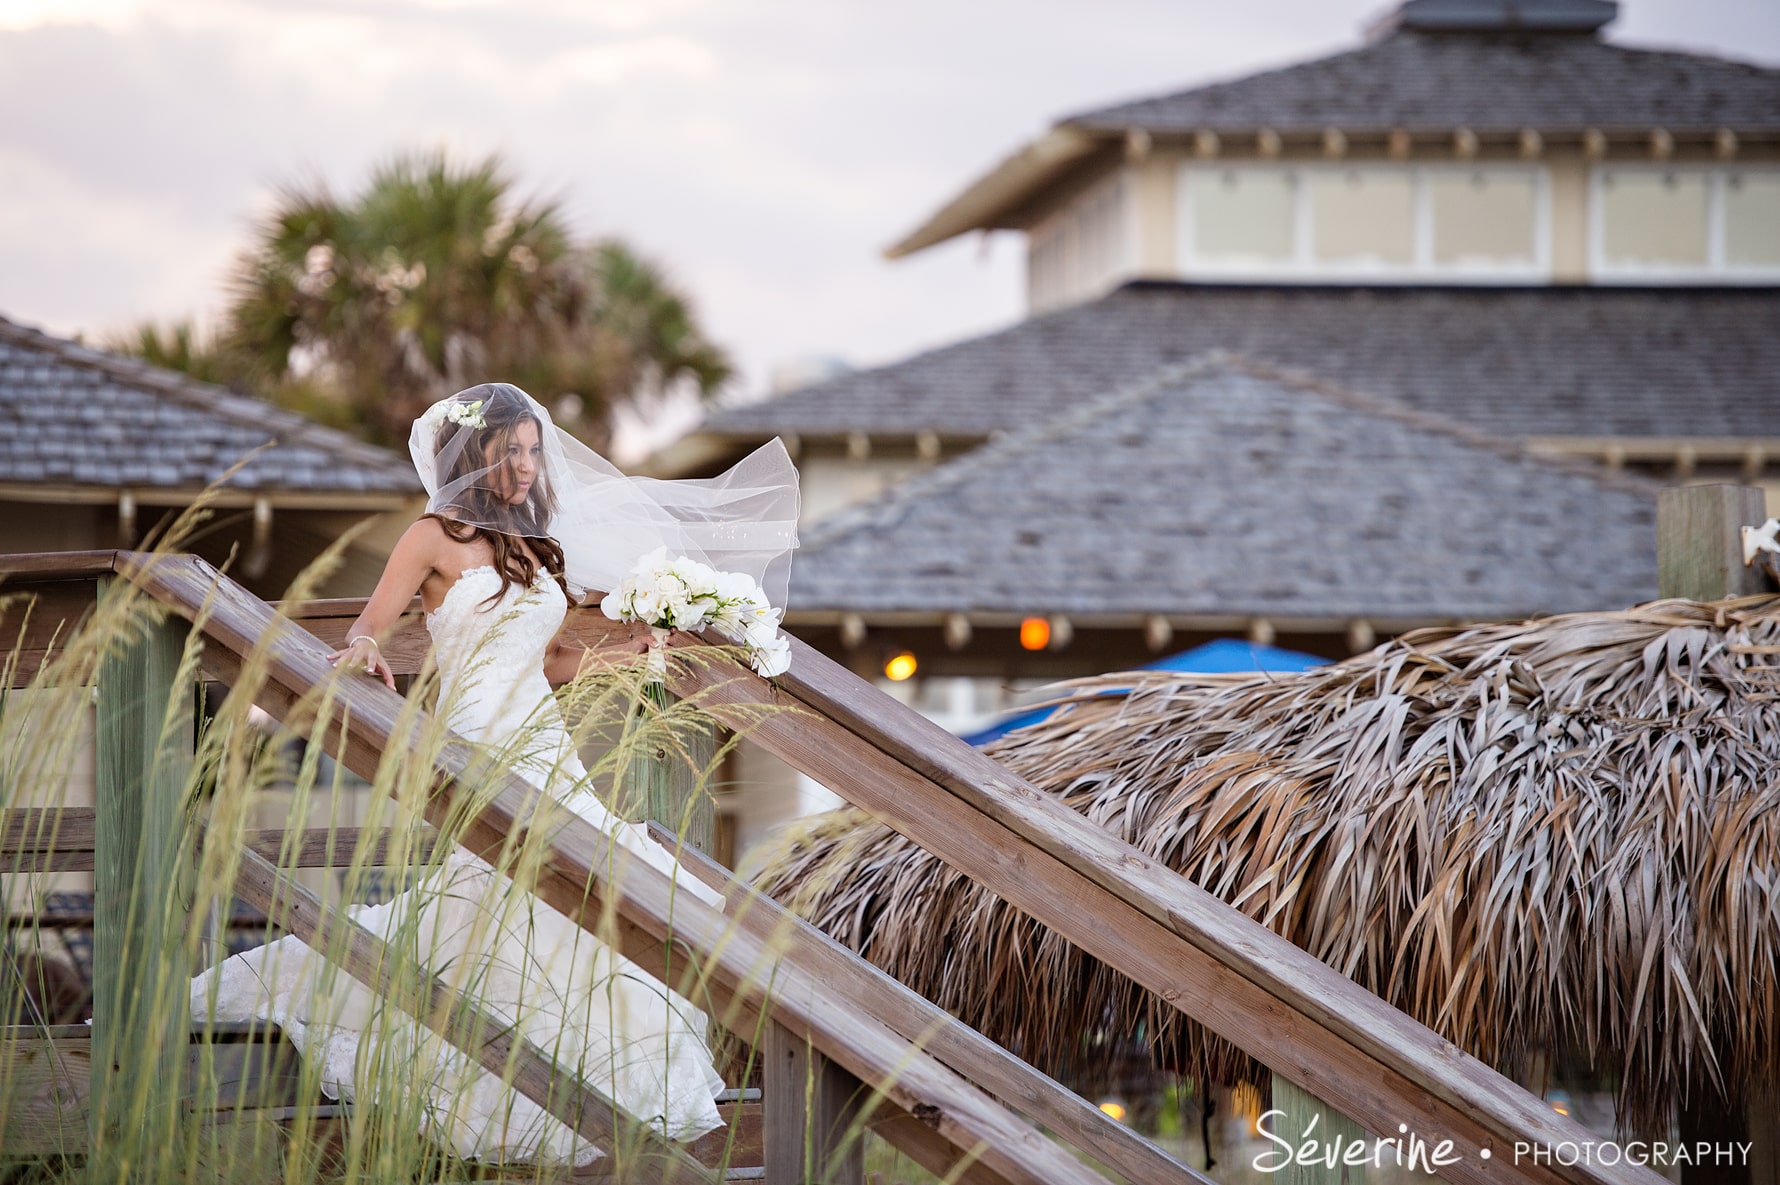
x=45 y=1083
x=1699 y=543
x=815 y=1115
x=144 y=741
x=56 y=565
x=37 y=617
x=744 y=980
x=1244 y=982
x=739 y=1143
x=1028 y=1091
x=61 y=840
x=44 y=1087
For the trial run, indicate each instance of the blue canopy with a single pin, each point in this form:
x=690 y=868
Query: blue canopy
x=1217 y=656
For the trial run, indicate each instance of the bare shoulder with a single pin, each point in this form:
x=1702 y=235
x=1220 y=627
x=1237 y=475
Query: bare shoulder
x=423 y=545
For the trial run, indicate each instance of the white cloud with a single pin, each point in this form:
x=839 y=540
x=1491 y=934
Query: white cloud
x=73 y=257
x=763 y=150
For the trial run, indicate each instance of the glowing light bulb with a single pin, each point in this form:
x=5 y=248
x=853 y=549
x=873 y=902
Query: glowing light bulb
x=1035 y=633
x=1114 y=1108
x=900 y=667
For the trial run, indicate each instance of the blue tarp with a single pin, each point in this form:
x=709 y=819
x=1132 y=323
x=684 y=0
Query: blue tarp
x=1220 y=655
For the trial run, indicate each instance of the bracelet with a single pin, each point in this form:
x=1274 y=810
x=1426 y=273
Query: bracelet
x=365 y=638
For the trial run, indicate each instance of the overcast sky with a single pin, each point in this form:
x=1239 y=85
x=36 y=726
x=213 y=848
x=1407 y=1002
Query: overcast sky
x=764 y=151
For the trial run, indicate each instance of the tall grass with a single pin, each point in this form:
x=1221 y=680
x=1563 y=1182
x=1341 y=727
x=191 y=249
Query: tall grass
x=238 y=1106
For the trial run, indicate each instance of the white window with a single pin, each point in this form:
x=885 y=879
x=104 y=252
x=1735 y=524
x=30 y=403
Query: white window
x=1362 y=219
x=1327 y=221
x=1752 y=220
x=1651 y=222
x=1485 y=219
x=1245 y=217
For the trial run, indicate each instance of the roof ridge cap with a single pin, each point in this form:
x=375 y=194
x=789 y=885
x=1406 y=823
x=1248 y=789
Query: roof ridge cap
x=281 y=423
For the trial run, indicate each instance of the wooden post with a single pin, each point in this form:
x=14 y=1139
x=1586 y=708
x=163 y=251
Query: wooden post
x=140 y=1010
x=812 y=1120
x=1699 y=543
x=668 y=776
x=1309 y=1118
x=1699 y=555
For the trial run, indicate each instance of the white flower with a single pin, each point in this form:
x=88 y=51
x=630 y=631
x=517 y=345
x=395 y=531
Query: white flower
x=683 y=593
x=734 y=586
x=774 y=658
x=433 y=416
x=467 y=414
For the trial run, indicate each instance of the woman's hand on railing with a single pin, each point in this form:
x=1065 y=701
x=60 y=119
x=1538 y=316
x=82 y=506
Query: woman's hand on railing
x=363 y=651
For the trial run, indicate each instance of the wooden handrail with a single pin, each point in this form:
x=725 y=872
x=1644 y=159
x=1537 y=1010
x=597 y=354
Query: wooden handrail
x=922 y=1106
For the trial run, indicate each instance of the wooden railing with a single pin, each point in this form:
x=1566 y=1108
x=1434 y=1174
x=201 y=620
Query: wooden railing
x=832 y=1019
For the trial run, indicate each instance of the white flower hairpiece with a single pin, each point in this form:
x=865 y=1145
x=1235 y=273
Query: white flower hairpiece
x=467 y=414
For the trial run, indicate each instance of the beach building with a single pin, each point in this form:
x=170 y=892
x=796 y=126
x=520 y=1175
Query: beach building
x=1490 y=214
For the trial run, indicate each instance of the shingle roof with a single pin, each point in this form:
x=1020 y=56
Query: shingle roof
x=1226 y=488
x=1481 y=81
x=1518 y=363
x=70 y=415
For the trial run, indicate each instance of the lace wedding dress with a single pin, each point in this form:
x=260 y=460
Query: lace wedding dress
x=596 y=1014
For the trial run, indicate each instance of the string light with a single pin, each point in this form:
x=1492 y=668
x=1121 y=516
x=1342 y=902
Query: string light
x=900 y=667
x=1035 y=633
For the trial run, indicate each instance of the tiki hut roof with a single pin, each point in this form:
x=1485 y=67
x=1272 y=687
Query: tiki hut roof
x=1559 y=835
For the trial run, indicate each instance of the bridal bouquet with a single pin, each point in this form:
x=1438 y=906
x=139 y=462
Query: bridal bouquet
x=684 y=594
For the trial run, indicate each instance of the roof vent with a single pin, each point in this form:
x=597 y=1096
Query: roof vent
x=1500 y=16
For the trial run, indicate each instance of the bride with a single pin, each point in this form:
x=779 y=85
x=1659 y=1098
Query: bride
x=519 y=516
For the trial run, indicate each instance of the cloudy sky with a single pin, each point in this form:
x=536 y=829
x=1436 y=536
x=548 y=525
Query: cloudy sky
x=763 y=150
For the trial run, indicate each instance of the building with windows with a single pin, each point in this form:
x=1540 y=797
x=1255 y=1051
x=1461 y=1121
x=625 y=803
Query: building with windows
x=1489 y=216
x=1488 y=211
x=1466 y=143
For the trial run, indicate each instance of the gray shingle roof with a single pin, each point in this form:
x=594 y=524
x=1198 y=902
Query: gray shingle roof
x=70 y=415
x=1482 y=81
x=1517 y=363
x=1222 y=487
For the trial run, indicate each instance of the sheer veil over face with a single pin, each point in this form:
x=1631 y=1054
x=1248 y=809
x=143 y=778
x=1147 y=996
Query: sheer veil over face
x=490 y=457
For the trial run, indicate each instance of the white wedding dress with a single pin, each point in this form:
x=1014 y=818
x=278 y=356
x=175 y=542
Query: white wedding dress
x=596 y=1014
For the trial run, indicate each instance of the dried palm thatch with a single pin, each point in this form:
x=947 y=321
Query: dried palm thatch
x=1562 y=835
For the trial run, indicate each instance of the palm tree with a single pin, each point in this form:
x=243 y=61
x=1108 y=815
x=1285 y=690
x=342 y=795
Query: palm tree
x=436 y=277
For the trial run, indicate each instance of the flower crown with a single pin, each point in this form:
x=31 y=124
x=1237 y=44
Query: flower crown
x=468 y=415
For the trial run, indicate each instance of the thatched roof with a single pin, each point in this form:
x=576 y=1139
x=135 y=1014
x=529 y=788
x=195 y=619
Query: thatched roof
x=1561 y=835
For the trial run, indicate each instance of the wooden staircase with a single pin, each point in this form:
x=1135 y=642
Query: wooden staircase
x=842 y=1046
